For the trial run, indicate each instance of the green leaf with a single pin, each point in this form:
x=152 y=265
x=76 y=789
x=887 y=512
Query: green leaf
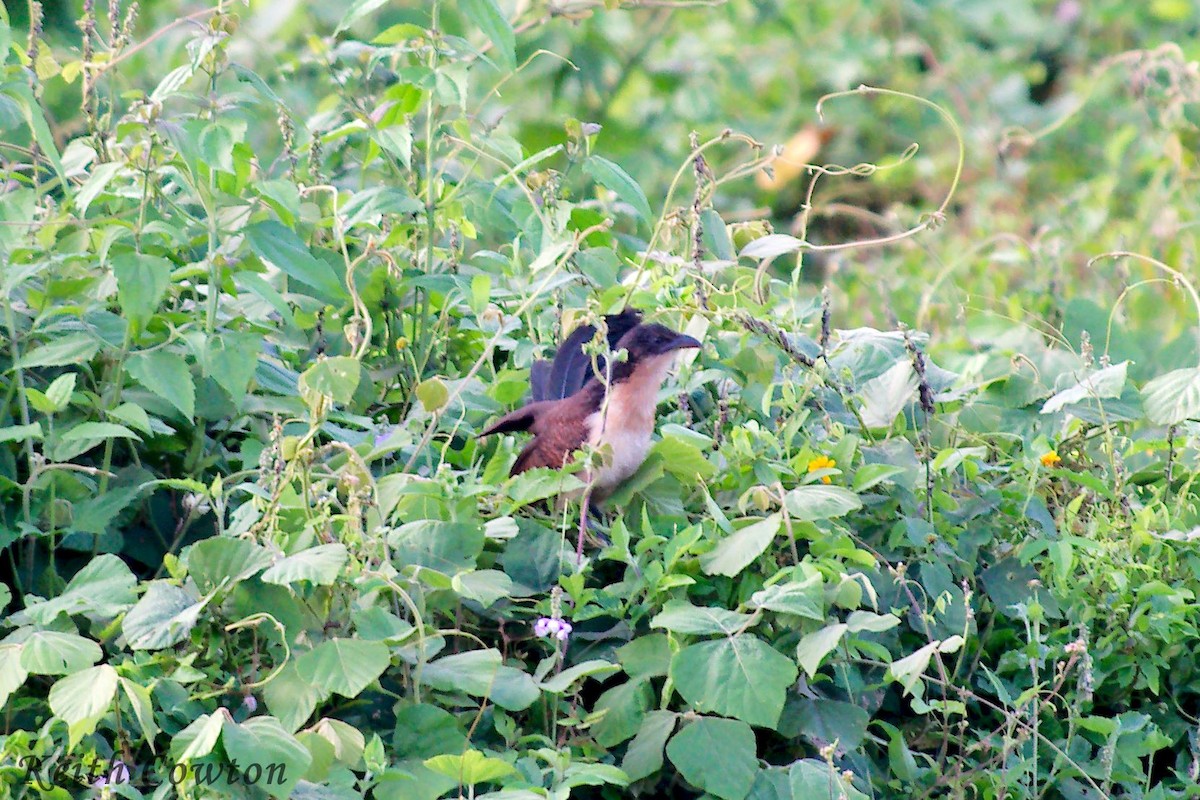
x=344 y=666
x=491 y=20
x=481 y=673
x=424 y=730
x=199 y=738
x=320 y=566
x=60 y=389
x=886 y=395
x=680 y=616
x=98 y=431
x=334 y=378
x=644 y=756
x=75 y=348
x=262 y=742
x=290 y=698
x=105 y=588
x=447 y=547
x=55 y=653
x=470 y=768
x=143 y=709
x=738 y=550
x=163 y=617
x=1106 y=382
x=615 y=179
x=358 y=10
x=484 y=586
x=907 y=671
x=224 y=559
x=741 y=677
x=810 y=779
x=1173 y=398
x=621 y=709
x=12 y=674
x=815 y=501
x=586 y=669
x=142 y=282
x=813 y=648
x=167 y=375
x=716 y=756
x=231 y=360
x=21 y=433
x=83 y=698
x=280 y=246
x=803 y=598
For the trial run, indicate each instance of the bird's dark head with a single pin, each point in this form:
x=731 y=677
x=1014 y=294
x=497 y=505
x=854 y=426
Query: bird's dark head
x=649 y=350
x=651 y=339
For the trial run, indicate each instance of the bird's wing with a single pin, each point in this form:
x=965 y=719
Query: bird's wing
x=572 y=368
x=539 y=381
x=558 y=435
x=522 y=419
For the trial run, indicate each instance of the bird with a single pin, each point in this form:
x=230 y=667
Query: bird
x=574 y=401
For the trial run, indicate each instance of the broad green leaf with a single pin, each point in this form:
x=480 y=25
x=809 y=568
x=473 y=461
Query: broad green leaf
x=813 y=648
x=344 y=666
x=1173 y=398
x=100 y=431
x=75 y=348
x=261 y=741
x=348 y=742
x=199 y=738
x=83 y=698
x=320 y=565
x=21 y=433
x=480 y=673
x=447 y=547
x=56 y=653
x=334 y=378
x=143 y=709
x=231 y=360
x=224 y=559
x=358 y=10
x=741 y=677
x=167 y=375
x=290 y=698
x=814 y=502
x=680 y=616
x=866 y=621
x=470 y=768
x=644 y=756
x=617 y=180
x=587 y=669
x=280 y=246
x=907 y=671
x=1103 y=383
x=105 y=588
x=12 y=674
x=803 y=598
x=716 y=756
x=623 y=708
x=771 y=246
x=484 y=586
x=738 y=550
x=163 y=617
x=886 y=395
x=492 y=21
x=424 y=730
x=142 y=281
x=810 y=779
x=60 y=389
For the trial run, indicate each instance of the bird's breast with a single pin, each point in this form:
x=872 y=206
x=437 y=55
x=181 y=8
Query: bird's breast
x=626 y=429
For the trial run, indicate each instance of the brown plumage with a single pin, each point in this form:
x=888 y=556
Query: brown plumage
x=625 y=423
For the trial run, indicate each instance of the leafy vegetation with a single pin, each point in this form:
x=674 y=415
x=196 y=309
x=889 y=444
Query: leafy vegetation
x=919 y=521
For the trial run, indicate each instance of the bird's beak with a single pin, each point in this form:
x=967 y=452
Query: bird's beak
x=683 y=342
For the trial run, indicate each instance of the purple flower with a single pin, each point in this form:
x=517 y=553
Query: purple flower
x=118 y=774
x=250 y=703
x=549 y=626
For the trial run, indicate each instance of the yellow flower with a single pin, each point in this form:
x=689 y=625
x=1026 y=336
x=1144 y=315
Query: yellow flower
x=1051 y=459
x=401 y=342
x=822 y=462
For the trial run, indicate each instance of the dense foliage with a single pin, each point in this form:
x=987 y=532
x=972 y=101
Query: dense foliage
x=919 y=520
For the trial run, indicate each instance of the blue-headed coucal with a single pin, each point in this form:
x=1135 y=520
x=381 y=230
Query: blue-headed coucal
x=576 y=400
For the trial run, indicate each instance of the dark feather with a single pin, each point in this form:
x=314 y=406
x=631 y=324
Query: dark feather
x=571 y=368
x=520 y=420
x=560 y=428
x=539 y=380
